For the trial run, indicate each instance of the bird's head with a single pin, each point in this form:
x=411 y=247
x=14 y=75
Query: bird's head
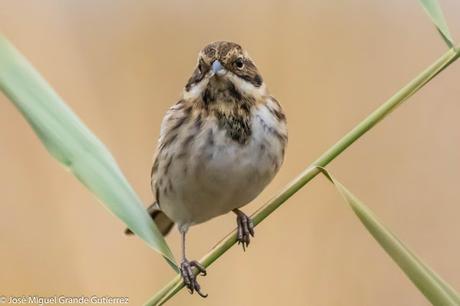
x=224 y=68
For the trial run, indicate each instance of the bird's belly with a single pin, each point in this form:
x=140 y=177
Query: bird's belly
x=217 y=178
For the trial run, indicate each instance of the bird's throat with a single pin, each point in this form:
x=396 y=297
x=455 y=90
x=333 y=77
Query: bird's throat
x=231 y=108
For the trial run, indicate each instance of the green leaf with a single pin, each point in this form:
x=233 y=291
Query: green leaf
x=72 y=143
x=436 y=290
x=433 y=9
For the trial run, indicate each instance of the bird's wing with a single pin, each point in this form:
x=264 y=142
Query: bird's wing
x=174 y=117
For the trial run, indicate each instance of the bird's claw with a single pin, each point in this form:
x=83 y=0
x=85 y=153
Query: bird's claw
x=189 y=276
x=245 y=230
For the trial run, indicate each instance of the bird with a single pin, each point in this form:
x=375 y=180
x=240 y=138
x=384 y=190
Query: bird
x=220 y=145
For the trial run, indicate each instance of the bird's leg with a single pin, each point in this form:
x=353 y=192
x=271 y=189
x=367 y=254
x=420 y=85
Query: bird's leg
x=245 y=228
x=186 y=266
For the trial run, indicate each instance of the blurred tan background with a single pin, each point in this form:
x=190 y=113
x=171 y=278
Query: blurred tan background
x=121 y=64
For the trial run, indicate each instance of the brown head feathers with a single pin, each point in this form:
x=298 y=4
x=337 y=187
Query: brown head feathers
x=233 y=59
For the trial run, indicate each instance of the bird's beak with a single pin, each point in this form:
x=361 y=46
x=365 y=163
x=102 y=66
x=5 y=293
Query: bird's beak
x=217 y=68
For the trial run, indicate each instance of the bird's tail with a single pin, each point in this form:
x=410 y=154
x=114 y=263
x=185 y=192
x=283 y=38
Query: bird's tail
x=162 y=221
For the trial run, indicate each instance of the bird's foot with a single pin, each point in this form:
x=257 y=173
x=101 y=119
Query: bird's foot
x=245 y=229
x=190 y=278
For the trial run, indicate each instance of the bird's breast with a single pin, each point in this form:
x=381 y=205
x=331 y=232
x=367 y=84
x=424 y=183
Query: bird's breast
x=218 y=172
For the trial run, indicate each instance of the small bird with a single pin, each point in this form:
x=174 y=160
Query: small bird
x=219 y=146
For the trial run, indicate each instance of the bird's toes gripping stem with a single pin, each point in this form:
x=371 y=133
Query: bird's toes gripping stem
x=245 y=229
x=189 y=276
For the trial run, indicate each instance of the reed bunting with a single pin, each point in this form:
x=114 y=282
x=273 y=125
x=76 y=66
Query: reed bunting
x=219 y=146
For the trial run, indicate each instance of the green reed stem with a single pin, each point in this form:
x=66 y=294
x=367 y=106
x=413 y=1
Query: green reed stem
x=310 y=172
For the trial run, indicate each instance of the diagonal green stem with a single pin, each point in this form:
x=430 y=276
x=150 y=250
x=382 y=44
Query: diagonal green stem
x=307 y=175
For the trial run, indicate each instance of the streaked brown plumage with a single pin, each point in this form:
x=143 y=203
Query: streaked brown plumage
x=219 y=146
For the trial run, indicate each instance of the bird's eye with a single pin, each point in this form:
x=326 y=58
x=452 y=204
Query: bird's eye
x=201 y=66
x=239 y=63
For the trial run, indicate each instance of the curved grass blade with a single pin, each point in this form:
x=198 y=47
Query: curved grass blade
x=72 y=143
x=436 y=290
x=433 y=9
